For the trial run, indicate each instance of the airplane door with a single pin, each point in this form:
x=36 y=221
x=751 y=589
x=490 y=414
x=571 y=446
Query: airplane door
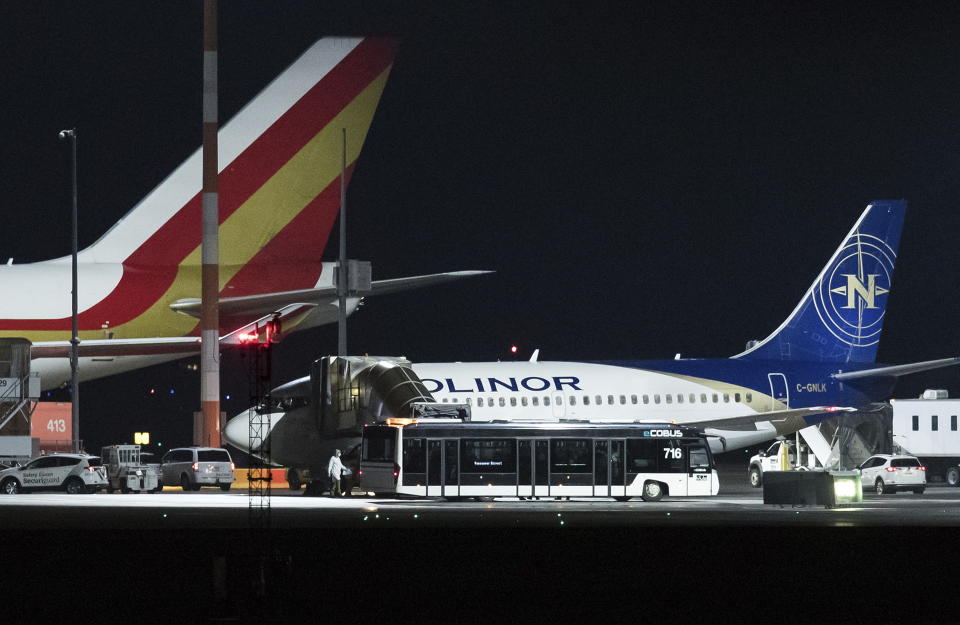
x=699 y=471
x=779 y=390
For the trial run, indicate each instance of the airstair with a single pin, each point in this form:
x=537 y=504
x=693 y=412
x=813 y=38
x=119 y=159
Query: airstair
x=844 y=441
x=19 y=392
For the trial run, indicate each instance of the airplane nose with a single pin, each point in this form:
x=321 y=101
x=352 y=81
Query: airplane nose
x=237 y=430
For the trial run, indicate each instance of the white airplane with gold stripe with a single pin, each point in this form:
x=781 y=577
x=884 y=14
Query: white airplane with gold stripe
x=280 y=161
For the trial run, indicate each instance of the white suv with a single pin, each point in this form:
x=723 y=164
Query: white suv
x=888 y=474
x=74 y=473
x=193 y=467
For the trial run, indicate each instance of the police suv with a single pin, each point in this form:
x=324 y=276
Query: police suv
x=73 y=473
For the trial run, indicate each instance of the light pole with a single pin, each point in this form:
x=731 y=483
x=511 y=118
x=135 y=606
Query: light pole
x=71 y=133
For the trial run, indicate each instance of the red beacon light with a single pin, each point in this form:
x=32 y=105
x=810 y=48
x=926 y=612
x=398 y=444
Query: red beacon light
x=513 y=349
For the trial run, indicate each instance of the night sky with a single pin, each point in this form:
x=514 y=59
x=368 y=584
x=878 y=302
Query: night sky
x=645 y=178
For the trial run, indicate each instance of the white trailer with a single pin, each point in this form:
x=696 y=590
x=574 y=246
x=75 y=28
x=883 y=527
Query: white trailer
x=927 y=428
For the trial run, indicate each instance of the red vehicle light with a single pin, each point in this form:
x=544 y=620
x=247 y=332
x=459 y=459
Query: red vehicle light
x=892 y=469
x=396 y=473
x=921 y=468
x=360 y=472
x=233 y=467
x=195 y=466
x=91 y=469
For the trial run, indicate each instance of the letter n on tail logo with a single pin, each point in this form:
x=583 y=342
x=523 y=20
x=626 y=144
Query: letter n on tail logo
x=851 y=296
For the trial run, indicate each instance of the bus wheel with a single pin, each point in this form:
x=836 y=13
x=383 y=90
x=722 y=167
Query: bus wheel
x=756 y=479
x=953 y=476
x=652 y=491
x=622 y=498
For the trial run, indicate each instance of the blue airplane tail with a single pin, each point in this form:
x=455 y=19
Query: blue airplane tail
x=841 y=316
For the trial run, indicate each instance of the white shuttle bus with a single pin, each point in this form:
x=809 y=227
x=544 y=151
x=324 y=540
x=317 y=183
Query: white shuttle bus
x=515 y=459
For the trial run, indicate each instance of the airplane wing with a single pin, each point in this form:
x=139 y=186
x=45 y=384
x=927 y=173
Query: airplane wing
x=897 y=370
x=265 y=303
x=185 y=345
x=781 y=419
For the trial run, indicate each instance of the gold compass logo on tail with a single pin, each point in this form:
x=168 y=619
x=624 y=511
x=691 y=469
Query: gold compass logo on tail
x=850 y=295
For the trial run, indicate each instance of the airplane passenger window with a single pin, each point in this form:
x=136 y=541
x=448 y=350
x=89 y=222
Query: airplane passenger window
x=573 y=400
x=535 y=400
x=523 y=401
x=693 y=398
x=646 y=399
x=749 y=397
x=703 y=398
x=586 y=400
x=726 y=397
x=546 y=401
x=633 y=399
x=598 y=400
x=669 y=398
x=623 y=399
x=679 y=398
x=656 y=399
x=715 y=398
x=502 y=402
x=736 y=397
x=469 y=401
x=513 y=401
x=480 y=402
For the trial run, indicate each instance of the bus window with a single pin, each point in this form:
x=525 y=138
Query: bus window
x=916 y=423
x=450 y=462
x=654 y=455
x=697 y=457
x=414 y=458
x=379 y=445
x=488 y=456
x=523 y=461
x=569 y=457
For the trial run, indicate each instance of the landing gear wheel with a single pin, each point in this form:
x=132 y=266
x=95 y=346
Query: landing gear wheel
x=756 y=478
x=293 y=479
x=10 y=486
x=74 y=486
x=953 y=476
x=622 y=498
x=881 y=488
x=652 y=491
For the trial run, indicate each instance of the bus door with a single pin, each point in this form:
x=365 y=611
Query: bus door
x=617 y=473
x=699 y=471
x=541 y=466
x=434 y=468
x=524 y=467
x=601 y=468
x=451 y=468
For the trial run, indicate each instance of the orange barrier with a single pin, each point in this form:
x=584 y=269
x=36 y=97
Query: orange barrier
x=279 y=478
